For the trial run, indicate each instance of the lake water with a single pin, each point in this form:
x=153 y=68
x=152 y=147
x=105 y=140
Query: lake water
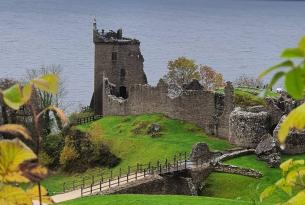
x=232 y=36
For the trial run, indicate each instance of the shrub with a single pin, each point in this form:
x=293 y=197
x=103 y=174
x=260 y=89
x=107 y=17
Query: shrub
x=69 y=156
x=211 y=79
x=52 y=145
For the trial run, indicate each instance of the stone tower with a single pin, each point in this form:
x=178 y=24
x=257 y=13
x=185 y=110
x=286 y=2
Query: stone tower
x=120 y=60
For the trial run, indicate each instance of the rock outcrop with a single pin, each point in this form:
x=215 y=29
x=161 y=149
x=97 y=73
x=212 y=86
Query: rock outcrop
x=295 y=142
x=268 y=151
x=247 y=127
x=200 y=151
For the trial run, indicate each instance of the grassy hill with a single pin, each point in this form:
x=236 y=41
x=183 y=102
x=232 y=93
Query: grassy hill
x=128 y=139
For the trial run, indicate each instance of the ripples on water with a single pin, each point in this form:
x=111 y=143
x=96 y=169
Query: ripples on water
x=232 y=36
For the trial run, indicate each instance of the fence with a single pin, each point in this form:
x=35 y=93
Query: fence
x=88 y=119
x=97 y=183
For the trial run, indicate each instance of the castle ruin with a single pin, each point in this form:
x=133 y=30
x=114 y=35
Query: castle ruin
x=120 y=88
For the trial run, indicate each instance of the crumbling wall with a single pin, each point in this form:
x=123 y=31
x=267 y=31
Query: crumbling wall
x=209 y=110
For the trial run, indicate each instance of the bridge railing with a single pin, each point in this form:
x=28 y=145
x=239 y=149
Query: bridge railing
x=87 y=182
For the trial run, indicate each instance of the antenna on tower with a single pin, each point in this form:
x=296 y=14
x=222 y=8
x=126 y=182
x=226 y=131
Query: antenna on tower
x=94 y=23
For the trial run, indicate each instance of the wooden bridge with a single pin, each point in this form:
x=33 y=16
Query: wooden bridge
x=105 y=184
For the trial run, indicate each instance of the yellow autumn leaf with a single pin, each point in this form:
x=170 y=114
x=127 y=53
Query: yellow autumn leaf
x=10 y=195
x=295 y=175
x=26 y=92
x=282 y=184
x=295 y=119
x=33 y=171
x=33 y=193
x=267 y=192
x=47 y=83
x=12 y=154
x=297 y=199
x=59 y=113
x=286 y=165
x=15 y=129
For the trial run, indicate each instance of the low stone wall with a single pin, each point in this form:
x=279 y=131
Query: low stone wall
x=207 y=109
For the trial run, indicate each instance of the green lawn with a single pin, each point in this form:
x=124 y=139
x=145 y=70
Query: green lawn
x=154 y=200
x=127 y=138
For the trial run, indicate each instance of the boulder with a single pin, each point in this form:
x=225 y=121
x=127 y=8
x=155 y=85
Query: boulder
x=268 y=150
x=247 y=127
x=200 y=152
x=154 y=129
x=295 y=142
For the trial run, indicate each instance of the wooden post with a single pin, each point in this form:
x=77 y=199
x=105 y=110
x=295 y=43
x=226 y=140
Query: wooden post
x=166 y=165
x=100 y=185
x=128 y=169
x=92 y=179
x=64 y=187
x=81 y=191
x=91 y=189
x=109 y=182
x=137 y=167
x=158 y=165
x=118 y=180
x=136 y=174
x=83 y=182
x=127 y=177
x=149 y=167
x=144 y=172
x=73 y=184
x=120 y=172
x=185 y=160
x=160 y=168
x=111 y=174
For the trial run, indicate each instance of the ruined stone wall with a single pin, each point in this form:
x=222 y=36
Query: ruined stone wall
x=208 y=110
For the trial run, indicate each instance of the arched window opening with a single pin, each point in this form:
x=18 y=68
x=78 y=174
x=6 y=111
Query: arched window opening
x=123 y=92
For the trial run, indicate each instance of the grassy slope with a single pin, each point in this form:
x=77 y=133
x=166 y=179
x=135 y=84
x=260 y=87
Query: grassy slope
x=153 y=200
x=177 y=136
x=117 y=132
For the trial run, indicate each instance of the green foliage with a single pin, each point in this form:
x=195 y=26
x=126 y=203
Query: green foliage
x=294 y=73
x=18 y=163
x=242 y=98
x=52 y=146
x=292 y=181
x=68 y=156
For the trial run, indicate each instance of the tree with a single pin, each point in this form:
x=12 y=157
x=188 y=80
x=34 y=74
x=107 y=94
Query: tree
x=19 y=164
x=44 y=99
x=210 y=79
x=181 y=70
x=248 y=81
x=293 y=171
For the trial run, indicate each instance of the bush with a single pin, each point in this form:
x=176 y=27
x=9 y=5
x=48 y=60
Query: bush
x=247 y=99
x=52 y=146
x=69 y=156
x=86 y=153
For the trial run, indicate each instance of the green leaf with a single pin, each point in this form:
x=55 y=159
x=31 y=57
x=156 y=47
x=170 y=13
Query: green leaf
x=284 y=64
x=293 y=53
x=294 y=83
x=275 y=78
x=267 y=192
x=13 y=97
x=295 y=119
x=302 y=44
x=47 y=83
